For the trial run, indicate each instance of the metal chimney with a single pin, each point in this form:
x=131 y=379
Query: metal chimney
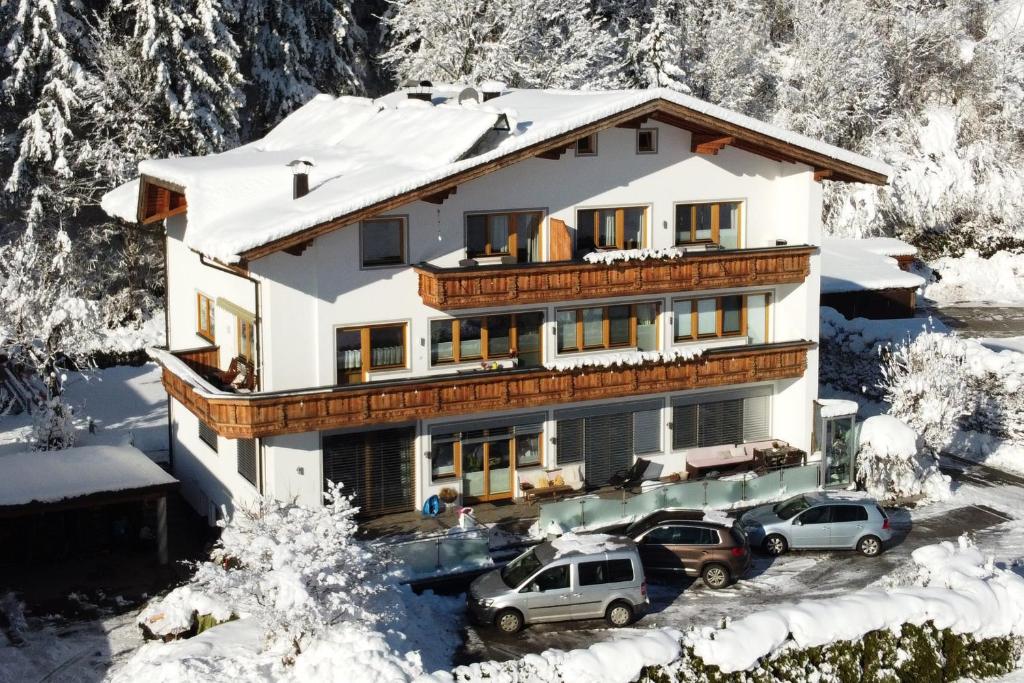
x=300 y=176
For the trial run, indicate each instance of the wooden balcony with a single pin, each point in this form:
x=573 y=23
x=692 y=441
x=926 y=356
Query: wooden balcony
x=246 y=416
x=533 y=283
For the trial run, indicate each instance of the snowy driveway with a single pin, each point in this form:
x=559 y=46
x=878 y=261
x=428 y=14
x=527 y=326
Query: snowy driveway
x=986 y=503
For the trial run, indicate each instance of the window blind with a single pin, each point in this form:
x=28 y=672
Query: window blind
x=647 y=431
x=247 y=461
x=377 y=467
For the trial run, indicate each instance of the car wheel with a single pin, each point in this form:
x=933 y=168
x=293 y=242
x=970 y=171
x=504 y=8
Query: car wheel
x=509 y=621
x=775 y=545
x=870 y=546
x=619 y=614
x=715 y=576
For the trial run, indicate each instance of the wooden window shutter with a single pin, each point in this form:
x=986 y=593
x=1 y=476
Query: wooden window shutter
x=561 y=241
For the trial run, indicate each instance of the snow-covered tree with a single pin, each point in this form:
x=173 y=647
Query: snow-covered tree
x=654 y=46
x=291 y=51
x=44 y=324
x=534 y=43
x=892 y=462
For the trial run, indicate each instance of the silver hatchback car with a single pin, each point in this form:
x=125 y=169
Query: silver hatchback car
x=573 y=577
x=817 y=520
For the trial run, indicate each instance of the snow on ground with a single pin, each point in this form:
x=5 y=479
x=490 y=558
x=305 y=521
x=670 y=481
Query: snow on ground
x=127 y=405
x=973 y=279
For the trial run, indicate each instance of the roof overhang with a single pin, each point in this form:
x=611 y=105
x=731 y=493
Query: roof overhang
x=699 y=123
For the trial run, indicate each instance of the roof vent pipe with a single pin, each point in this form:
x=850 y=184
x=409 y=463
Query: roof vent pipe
x=420 y=91
x=300 y=176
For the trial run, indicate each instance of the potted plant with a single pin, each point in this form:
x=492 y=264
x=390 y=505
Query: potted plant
x=448 y=496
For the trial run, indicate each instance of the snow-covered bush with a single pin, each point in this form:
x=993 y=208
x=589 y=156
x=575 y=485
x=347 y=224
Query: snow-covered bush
x=53 y=427
x=892 y=462
x=926 y=385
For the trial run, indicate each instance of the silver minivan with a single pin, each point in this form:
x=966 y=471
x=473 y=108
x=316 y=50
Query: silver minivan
x=572 y=577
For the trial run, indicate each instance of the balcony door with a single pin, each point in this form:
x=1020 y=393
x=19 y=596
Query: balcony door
x=510 y=235
x=487 y=468
x=361 y=350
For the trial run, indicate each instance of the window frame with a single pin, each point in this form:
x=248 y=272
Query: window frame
x=654 y=140
x=606 y=344
x=403 y=241
x=593 y=146
x=485 y=350
x=245 y=344
x=720 y=316
x=365 y=348
x=456 y=442
x=209 y=335
x=716 y=211
x=620 y=226
x=512 y=216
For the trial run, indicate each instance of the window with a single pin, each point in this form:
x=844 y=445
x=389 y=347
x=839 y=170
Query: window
x=614 y=228
x=608 y=327
x=207 y=435
x=443 y=449
x=717 y=222
x=619 y=571
x=528 y=445
x=486 y=338
x=849 y=513
x=587 y=147
x=513 y=234
x=247 y=461
x=722 y=316
x=818 y=515
x=383 y=242
x=205 y=317
x=647 y=141
x=553 y=578
x=365 y=349
x=662 y=535
x=246 y=333
x=601 y=572
x=721 y=422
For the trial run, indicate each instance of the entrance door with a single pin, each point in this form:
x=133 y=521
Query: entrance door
x=839 y=452
x=487 y=466
x=375 y=467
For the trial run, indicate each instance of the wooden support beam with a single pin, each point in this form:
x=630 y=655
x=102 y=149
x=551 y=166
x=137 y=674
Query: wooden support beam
x=822 y=173
x=632 y=123
x=554 y=154
x=701 y=143
x=441 y=195
x=297 y=249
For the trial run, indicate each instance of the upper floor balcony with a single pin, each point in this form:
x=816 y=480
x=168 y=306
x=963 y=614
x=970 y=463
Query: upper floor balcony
x=635 y=273
x=262 y=414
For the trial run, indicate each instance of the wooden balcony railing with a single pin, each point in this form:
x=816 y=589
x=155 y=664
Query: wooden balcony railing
x=246 y=416
x=531 y=283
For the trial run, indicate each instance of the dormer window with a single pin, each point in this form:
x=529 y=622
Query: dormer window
x=647 y=141
x=587 y=147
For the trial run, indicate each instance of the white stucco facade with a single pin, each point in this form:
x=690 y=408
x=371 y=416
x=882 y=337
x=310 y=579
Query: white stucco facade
x=299 y=301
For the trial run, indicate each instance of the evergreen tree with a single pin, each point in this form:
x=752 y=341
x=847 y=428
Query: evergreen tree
x=291 y=51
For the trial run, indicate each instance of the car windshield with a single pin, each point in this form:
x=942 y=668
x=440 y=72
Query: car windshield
x=791 y=507
x=517 y=571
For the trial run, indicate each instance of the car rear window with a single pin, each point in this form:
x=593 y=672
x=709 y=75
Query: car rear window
x=611 y=571
x=848 y=513
x=881 y=512
x=738 y=537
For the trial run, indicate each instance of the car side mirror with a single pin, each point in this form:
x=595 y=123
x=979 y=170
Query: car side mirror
x=535 y=588
x=797 y=522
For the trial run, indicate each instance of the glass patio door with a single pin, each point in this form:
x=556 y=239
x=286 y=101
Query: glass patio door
x=839 y=452
x=487 y=468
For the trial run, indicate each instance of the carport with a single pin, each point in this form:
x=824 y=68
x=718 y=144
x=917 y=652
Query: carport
x=59 y=504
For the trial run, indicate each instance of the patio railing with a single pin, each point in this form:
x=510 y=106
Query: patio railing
x=591 y=511
x=437 y=555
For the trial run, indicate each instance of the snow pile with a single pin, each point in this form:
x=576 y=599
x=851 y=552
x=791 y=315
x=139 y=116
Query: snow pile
x=893 y=463
x=615 y=661
x=367 y=151
x=313 y=604
x=610 y=256
x=957 y=589
x=53 y=476
x=849 y=265
x=625 y=358
x=972 y=278
x=837 y=407
x=586 y=544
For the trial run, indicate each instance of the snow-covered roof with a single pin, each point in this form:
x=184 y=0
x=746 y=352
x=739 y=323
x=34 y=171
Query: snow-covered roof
x=54 y=476
x=849 y=265
x=365 y=152
x=884 y=246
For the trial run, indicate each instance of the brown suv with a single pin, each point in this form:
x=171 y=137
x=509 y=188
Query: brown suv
x=680 y=540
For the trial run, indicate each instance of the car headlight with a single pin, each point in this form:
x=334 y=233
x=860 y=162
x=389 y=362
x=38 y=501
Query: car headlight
x=485 y=602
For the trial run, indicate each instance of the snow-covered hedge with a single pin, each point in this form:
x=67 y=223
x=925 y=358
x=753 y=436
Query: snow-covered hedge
x=892 y=462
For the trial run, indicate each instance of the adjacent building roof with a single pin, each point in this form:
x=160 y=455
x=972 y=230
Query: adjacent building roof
x=852 y=265
x=73 y=474
x=369 y=156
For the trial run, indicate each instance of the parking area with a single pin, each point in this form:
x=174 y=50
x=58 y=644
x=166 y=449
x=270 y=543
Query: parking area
x=985 y=505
